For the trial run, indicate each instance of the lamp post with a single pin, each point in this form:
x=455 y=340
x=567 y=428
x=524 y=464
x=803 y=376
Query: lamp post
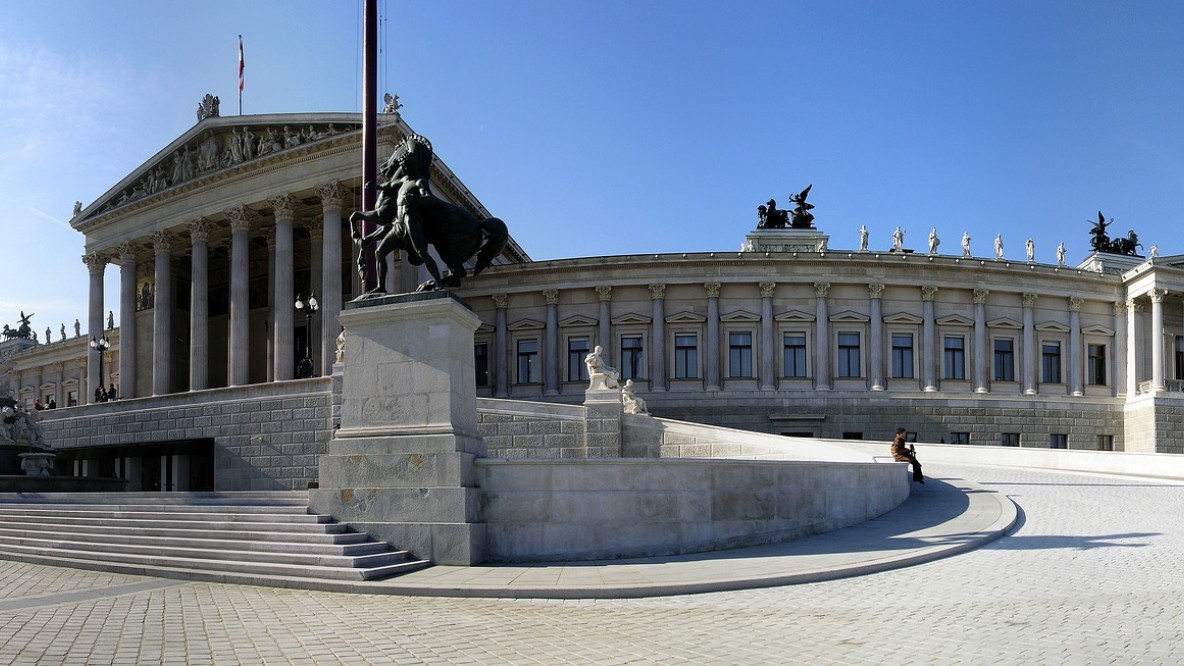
x=101 y=345
x=308 y=308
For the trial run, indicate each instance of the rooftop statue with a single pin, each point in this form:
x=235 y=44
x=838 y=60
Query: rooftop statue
x=770 y=217
x=802 y=217
x=410 y=218
x=23 y=331
x=207 y=107
x=1100 y=241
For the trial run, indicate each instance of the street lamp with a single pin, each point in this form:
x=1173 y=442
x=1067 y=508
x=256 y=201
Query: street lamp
x=309 y=308
x=101 y=345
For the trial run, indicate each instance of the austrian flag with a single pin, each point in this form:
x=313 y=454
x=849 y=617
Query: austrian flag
x=240 y=63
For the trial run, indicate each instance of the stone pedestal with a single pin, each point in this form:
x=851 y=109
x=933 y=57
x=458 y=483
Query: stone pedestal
x=785 y=240
x=400 y=467
x=602 y=423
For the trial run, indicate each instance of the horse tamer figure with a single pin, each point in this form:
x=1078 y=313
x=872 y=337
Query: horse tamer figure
x=410 y=218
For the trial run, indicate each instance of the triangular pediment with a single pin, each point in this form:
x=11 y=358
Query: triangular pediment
x=850 y=316
x=685 y=317
x=955 y=320
x=1052 y=327
x=1097 y=330
x=903 y=318
x=631 y=318
x=1004 y=322
x=577 y=320
x=739 y=315
x=794 y=316
x=526 y=325
x=219 y=146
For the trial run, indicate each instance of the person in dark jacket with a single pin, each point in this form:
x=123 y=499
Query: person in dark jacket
x=906 y=453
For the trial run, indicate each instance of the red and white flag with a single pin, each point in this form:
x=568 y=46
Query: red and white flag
x=240 y=63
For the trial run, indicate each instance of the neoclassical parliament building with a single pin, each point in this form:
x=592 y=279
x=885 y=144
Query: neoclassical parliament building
x=215 y=238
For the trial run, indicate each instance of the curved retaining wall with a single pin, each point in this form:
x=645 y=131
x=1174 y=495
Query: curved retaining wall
x=538 y=510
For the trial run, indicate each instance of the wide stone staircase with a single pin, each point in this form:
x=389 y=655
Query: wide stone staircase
x=266 y=538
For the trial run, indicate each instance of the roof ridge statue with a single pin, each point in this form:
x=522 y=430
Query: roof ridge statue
x=769 y=217
x=410 y=218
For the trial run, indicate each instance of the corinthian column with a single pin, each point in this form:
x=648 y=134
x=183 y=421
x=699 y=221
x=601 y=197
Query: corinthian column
x=95 y=265
x=767 y=370
x=551 y=341
x=282 y=309
x=1118 y=357
x=501 y=354
x=240 y=303
x=711 y=360
x=929 y=332
x=1075 y=303
x=658 y=328
x=875 y=292
x=604 y=322
x=127 y=320
x=1157 y=354
x=1134 y=338
x=1030 y=357
x=980 y=341
x=331 y=196
x=199 y=305
x=162 y=314
x=821 y=337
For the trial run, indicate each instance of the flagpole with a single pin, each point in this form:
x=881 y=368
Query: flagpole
x=240 y=75
x=369 y=129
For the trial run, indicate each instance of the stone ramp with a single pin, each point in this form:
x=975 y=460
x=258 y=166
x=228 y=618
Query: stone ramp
x=257 y=538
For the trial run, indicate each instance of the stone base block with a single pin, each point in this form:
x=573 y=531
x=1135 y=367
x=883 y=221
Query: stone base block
x=456 y=544
x=396 y=470
x=357 y=505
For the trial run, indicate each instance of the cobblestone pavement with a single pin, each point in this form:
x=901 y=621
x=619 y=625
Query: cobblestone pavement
x=1091 y=575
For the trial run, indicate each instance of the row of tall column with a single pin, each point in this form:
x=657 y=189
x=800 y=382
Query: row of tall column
x=930 y=362
x=327 y=258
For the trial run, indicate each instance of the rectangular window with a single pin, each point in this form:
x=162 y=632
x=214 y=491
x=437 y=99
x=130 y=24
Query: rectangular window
x=72 y=399
x=740 y=354
x=632 y=357
x=1050 y=362
x=577 y=350
x=852 y=435
x=955 y=357
x=1179 y=357
x=1009 y=439
x=795 y=355
x=481 y=363
x=959 y=438
x=1004 y=360
x=1096 y=365
x=849 y=365
x=902 y=356
x=686 y=356
x=1058 y=441
x=1105 y=442
x=528 y=362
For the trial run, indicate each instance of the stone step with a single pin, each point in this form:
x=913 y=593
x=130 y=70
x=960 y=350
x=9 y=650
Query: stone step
x=331 y=533
x=154 y=513
x=298 y=498
x=247 y=509
x=209 y=569
x=248 y=543
x=131 y=521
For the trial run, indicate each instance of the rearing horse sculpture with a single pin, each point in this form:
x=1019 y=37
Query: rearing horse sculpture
x=410 y=218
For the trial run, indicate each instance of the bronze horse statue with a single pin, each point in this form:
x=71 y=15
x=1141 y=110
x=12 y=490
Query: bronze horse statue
x=410 y=218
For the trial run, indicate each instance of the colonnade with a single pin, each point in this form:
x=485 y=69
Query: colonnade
x=243 y=223
x=1121 y=376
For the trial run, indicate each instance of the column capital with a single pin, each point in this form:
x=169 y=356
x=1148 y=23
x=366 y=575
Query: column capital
x=1119 y=307
x=712 y=289
x=283 y=205
x=162 y=242
x=315 y=226
x=1029 y=299
x=821 y=289
x=199 y=230
x=552 y=296
x=331 y=195
x=604 y=292
x=980 y=296
x=127 y=252
x=1075 y=303
x=1134 y=305
x=875 y=290
x=241 y=218
x=1156 y=295
x=767 y=289
x=928 y=292
x=500 y=301
x=95 y=262
x=657 y=292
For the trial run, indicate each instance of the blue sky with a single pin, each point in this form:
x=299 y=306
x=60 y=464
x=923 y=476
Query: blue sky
x=632 y=127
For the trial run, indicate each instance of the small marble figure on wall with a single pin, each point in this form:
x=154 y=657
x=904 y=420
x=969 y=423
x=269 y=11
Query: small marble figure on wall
x=601 y=376
x=632 y=403
x=999 y=246
x=965 y=243
x=863 y=238
x=1030 y=248
x=1061 y=254
x=898 y=239
x=933 y=241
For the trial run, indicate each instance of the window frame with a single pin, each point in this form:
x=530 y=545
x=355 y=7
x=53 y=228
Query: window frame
x=843 y=355
x=740 y=355
x=953 y=359
x=1002 y=360
x=686 y=358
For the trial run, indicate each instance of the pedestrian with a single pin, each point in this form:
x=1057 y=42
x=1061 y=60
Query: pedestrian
x=111 y=393
x=903 y=452
x=52 y=403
